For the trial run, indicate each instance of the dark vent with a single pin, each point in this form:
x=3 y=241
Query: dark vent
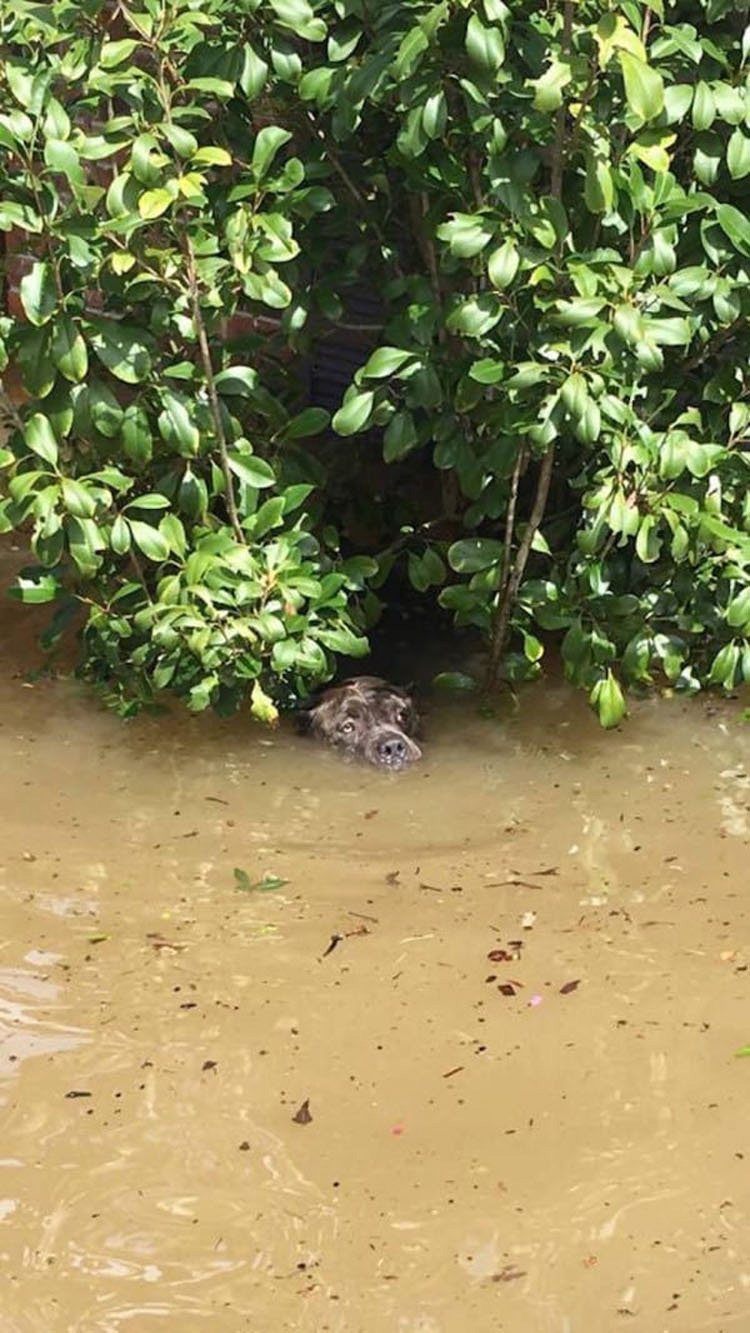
x=339 y=351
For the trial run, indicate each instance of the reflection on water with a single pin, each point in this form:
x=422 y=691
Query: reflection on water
x=509 y=984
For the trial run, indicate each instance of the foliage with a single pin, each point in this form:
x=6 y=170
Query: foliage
x=551 y=204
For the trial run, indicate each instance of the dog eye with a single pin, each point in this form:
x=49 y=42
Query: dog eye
x=347 y=728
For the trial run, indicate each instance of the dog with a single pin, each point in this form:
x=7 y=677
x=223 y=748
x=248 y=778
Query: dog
x=366 y=718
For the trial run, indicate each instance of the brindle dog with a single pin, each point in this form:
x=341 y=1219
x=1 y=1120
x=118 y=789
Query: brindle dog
x=367 y=718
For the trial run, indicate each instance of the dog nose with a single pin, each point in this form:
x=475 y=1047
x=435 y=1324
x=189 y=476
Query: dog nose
x=393 y=748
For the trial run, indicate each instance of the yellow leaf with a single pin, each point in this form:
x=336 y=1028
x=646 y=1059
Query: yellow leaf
x=261 y=706
x=191 y=184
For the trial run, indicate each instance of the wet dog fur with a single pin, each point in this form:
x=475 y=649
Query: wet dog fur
x=367 y=718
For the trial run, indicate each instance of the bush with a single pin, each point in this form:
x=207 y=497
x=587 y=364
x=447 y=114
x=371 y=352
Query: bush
x=550 y=207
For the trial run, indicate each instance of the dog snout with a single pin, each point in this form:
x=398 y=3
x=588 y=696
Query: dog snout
x=396 y=749
x=393 y=750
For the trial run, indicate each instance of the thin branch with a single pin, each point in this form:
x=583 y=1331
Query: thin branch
x=355 y=192
x=476 y=179
x=559 y=143
x=213 y=397
x=519 y=566
x=10 y=408
x=496 y=646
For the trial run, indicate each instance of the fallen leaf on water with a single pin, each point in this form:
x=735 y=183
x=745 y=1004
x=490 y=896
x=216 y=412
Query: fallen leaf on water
x=509 y=1274
x=589 y=1261
x=431 y=888
x=458 y=1069
x=208 y=1064
x=302 y=1116
x=157 y=942
x=98 y=939
x=370 y=814
x=743 y=1052
x=500 y=956
x=76 y=1092
x=569 y=986
x=392 y=877
x=267 y=884
x=507 y=989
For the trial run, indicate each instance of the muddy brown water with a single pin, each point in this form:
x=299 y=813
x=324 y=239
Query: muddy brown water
x=569 y=1154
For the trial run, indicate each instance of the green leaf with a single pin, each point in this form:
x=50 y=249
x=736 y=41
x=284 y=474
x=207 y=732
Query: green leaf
x=735 y=225
x=149 y=540
x=454 y=680
x=254 y=472
x=309 y=422
x=413 y=45
x=608 y=699
x=648 y=543
x=254 y=73
x=484 y=46
x=240 y=381
x=152 y=500
x=119 y=537
x=704 y=107
x=40 y=438
x=644 y=89
x=103 y=408
x=578 y=311
x=299 y=17
x=343 y=640
x=502 y=265
x=114 y=53
x=738 y=610
x=738 y=155
x=77 y=498
x=120 y=348
x=176 y=425
x=61 y=156
x=472 y=554
x=475 y=316
x=487 y=371
x=38 y=293
x=136 y=434
x=399 y=437
x=724 y=666
x=153 y=203
x=269 y=883
x=354 y=414
x=35 y=587
x=212 y=157
x=220 y=88
x=467 y=234
x=548 y=90
x=385 y=361
x=295 y=495
x=435 y=115
x=173 y=530
x=267 y=144
x=68 y=350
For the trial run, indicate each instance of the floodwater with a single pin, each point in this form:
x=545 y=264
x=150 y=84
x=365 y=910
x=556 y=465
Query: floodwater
x=471 y=1066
